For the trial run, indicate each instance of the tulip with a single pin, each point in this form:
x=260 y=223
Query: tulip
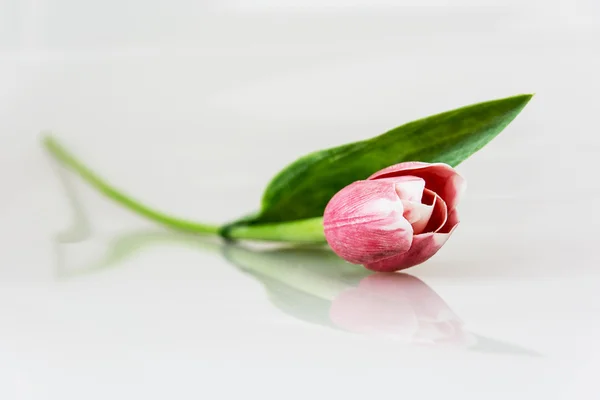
x=397 y=218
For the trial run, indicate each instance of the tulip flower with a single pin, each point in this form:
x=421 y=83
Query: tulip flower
x=397 y=218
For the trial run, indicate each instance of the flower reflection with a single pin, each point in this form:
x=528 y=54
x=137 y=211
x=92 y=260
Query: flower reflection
x=399 y=305
x=316 y=286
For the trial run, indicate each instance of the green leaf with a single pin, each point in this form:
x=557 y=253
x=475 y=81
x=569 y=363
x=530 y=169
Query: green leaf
x=303 y=188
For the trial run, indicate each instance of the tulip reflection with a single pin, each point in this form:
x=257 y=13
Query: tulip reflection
x=399 y=305
x=316 y=286
x=327 y=290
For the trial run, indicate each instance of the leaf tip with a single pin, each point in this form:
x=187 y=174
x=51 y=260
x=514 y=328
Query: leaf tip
x=519 y=101
x=526 y=97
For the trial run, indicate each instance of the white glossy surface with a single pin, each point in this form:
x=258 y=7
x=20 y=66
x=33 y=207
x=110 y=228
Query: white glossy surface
x=194 y=107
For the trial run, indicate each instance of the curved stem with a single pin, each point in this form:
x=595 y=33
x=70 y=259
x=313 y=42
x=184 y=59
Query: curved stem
x=58 y=151
x=308 y=231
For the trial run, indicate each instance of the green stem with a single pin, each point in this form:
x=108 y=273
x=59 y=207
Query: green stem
x=63 y=155
x=308 y=231
x=303 y=231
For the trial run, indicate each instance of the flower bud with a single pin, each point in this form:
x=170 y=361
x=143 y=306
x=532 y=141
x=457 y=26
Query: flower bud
x=397 y=218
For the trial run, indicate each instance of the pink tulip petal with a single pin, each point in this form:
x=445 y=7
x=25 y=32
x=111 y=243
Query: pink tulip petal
x=364 y=222
x=439 y=177
x=418 y=214
x=429 y=216
x=451 y=222
x=424 y=246
x=439 y=215
x=408 y=187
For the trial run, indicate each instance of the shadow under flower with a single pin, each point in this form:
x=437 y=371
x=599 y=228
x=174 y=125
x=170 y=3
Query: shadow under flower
x=311 y=284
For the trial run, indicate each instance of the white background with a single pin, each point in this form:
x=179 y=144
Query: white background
x=194 y=106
